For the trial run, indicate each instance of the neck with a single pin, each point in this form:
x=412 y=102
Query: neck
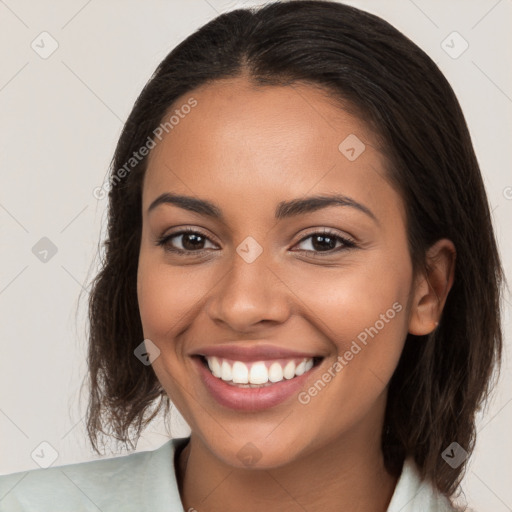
x=349 y=470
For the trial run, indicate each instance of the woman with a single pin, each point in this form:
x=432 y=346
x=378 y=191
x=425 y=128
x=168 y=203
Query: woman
x=299 y=232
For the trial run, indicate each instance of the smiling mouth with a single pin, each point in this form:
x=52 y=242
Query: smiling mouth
x=258 y=374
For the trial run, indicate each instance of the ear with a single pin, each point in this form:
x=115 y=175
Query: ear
x=432 y=287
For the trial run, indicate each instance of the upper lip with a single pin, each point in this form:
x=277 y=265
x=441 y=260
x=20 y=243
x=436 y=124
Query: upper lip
x=249 y=353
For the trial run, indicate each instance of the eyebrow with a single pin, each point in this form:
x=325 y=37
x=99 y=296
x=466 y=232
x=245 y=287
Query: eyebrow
x=284 y=209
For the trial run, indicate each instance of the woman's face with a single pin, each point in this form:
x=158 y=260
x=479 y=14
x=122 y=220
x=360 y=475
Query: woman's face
x=253 y=289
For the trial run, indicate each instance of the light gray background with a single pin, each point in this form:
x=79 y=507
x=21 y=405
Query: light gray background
x=60 y=118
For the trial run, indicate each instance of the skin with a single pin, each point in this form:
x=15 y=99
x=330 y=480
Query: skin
x=246 y=149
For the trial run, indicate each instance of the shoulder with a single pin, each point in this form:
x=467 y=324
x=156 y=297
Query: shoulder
x=119 y=483
x=413 y=494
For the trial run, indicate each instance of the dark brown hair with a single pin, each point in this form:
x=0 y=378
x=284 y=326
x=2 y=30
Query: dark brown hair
x=361 y=61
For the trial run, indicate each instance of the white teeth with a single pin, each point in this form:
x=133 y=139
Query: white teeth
x=226 y=375
x=257 y=373
x=240 y=373
x=301 y=368
x=275 y=372
x=215 y=367
x=289 y=370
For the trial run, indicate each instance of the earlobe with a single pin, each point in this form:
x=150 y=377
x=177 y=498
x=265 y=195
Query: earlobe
x=432 y=288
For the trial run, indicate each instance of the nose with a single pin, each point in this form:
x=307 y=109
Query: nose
x=248 y=295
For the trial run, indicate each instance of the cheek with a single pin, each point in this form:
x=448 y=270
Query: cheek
x=165 y=299
x=156 y=302
x=167 y=296
x=343 y=302
x=363 y=315
x=362 y=312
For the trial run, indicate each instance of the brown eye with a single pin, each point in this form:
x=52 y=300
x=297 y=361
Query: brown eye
x=191 y=241
x=326 y=241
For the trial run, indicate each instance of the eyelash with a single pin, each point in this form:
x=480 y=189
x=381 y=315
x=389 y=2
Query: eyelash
x=164 y=242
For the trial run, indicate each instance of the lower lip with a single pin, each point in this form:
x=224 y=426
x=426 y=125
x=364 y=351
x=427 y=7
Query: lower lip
x=250 y=399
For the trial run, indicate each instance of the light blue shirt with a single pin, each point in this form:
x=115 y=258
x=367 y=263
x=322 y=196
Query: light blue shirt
x=146 y=482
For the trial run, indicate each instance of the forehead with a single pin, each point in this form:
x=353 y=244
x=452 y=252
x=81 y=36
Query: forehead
x=267 y=143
